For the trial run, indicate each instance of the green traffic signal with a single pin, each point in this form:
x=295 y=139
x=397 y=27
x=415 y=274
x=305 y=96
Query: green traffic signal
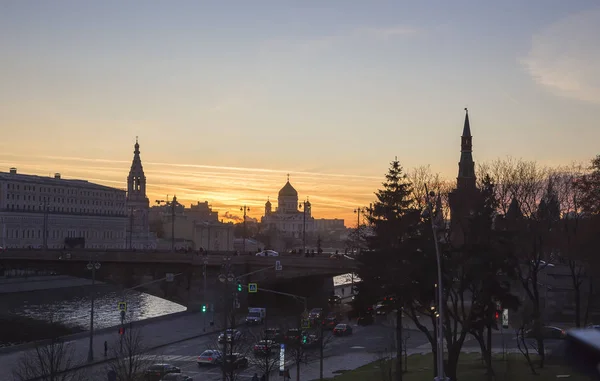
x=204 y=308
x=239 y=287
x=304 y=339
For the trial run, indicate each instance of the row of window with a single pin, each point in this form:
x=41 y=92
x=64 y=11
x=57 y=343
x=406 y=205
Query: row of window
x=65 y=233
x=62 y=209
x=68 y=191
x=46 y=199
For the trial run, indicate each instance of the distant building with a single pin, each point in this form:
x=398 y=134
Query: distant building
x=138 y=206
x=198 y=226
x=67 y=210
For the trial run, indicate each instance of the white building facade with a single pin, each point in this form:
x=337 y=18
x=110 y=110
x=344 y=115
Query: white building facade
x=290 y=218
x=39 y=211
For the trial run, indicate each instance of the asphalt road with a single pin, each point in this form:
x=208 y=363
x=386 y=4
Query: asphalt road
x=365 y=342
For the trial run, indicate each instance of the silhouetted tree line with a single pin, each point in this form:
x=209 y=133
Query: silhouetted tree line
x=524 y=218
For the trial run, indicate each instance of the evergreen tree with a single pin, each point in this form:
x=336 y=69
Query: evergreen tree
x=385 y=270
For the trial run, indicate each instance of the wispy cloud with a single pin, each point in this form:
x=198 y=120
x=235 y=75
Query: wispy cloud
x=564 y=57
x=387 y=32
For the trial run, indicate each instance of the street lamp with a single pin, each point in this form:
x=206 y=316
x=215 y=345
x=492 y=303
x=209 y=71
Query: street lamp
x=440 y=288
x=45 y=205
x=244 y=209
x=358 y=211
x=174 y=203
x=92 y=266
x=226 y=277
x=304 y=205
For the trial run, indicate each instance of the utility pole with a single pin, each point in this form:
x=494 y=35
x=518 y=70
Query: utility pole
x=244 y=209
x=45 y=205
x=173 y=204
x=303 y=205
x=358 y=212
x=227 y=278
x=92 y=266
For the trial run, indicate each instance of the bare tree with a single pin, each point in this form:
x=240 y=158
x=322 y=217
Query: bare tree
x=53 y=361
x=526 y=186
x=129 y=361
x=520 y=320
x=265 y=357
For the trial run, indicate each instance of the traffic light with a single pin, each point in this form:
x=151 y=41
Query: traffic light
x=204 y=308
x=304 y=339
x=239 y=286
x=497 y=315
x=121 y=331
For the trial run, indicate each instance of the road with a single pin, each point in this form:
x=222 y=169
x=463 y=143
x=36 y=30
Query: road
x=366 y=344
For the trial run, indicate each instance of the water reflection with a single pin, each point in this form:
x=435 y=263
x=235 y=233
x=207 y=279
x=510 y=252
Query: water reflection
x=71 y=306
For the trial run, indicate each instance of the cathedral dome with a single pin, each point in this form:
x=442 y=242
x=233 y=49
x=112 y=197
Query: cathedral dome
x=288 y=191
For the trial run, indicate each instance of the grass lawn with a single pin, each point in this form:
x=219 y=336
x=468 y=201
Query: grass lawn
x=470 y=368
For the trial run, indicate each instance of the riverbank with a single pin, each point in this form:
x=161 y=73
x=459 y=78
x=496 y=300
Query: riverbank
x=10 y=285
x=16 y=329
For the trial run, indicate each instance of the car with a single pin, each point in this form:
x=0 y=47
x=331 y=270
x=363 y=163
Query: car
x=335 y=299
x=177 y=377
x=293 y=335
x=548 y=333
x=342 y=330
x=381 y=309
x=366 y=319
x=331 y=320
x=315 y=313
x=274 y=334
x=264 y=347
x=593 y=326
x=235 y=361
x=158 y=371
x=230 y=335
x=209 y=357
x=267 y=253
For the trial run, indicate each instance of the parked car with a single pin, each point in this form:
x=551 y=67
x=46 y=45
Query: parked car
x=177 y=377
x=265 y=347
x=274 y=334
x=230 y=335
x=235 y=361
x=335 y=299
x=157 y=371
x=268 y=253
x=209 y=357
x=342 y=330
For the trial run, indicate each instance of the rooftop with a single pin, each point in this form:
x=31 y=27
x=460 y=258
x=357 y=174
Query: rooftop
x=57 y=180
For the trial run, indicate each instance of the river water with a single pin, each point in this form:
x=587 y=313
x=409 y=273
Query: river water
x=71 y=306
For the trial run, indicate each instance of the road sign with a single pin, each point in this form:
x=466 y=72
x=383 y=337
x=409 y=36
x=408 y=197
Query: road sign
x=122 y=306
x=170 y=277
x=278 y=266
x=505 y=318
x=305 y=323
x=253 y=288
x=282 y=358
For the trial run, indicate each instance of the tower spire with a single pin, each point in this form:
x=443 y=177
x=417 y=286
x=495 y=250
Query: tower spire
x=466 y=165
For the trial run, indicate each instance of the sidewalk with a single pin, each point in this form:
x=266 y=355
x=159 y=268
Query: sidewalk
x=154 y=335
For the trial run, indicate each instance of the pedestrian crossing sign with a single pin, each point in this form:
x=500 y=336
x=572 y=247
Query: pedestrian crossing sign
x=122 y=306
x=252 y=287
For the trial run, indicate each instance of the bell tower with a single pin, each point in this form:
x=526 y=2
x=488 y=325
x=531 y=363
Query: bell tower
x=138 y=205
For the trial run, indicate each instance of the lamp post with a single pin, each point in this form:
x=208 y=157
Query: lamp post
x=304 y=205
x=45 y=205
x=92 y=266
x=226 y=277
x=440 y=290
x=244 y=209
x=358 y=211
x=172 y=204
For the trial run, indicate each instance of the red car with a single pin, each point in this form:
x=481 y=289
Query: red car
x=342 y=330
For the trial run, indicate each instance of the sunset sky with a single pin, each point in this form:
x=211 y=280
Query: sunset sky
x=227 y=97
